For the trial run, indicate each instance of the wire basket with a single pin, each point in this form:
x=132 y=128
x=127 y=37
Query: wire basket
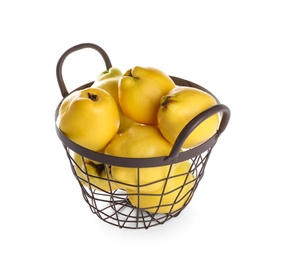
x=136 y=205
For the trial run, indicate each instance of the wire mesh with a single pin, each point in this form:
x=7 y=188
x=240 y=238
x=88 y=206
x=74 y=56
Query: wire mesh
x=112 y=200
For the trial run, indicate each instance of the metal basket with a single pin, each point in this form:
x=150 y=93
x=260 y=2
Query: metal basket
x=114 y=205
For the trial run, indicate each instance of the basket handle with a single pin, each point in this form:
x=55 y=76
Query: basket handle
x=60 y=62
x=197 y=120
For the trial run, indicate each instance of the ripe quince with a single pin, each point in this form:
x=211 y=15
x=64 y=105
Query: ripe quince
x=108 y=80
x=171 y=197
x=89 y=117
x=139 y=92
x=139 y=141
x=113 y=72
x=178 y=107
x=93 y=174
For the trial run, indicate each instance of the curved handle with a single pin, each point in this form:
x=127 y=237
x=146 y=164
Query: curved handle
x=60 y=80
x=188 y=129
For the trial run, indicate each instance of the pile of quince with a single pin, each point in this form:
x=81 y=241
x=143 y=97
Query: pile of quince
x=136 y=114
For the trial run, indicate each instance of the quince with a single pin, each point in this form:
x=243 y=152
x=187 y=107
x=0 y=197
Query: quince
x=93 y=174
x=139 y=92
x=113 y=72
x=89 y=117
x=139 y=141
x=171 y=197
x=178 y=107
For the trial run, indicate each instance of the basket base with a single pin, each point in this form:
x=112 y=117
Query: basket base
x=118 y=211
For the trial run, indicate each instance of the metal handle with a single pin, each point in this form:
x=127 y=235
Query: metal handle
x=197 y=120
x=59 y=66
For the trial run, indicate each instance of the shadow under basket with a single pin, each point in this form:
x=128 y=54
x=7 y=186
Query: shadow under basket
x=140 y=204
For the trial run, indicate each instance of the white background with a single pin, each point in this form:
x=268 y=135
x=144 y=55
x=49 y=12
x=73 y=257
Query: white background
x=233 y=48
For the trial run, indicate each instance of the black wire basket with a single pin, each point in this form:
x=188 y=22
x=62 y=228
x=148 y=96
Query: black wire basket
x=130 y=206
